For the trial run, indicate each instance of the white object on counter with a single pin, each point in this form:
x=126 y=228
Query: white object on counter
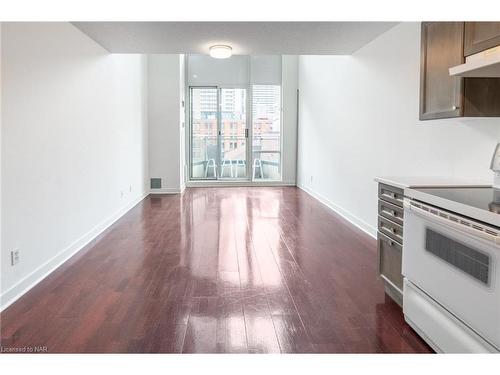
x=495 y=167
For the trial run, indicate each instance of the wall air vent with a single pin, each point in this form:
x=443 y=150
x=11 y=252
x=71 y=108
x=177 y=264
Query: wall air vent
x=156 y=183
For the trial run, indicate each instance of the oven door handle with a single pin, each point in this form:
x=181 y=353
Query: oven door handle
x=461 y=225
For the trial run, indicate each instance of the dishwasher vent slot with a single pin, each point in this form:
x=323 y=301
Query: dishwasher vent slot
x=468 y=260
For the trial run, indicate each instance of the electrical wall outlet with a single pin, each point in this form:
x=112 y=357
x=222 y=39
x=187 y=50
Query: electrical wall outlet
x=14 y=257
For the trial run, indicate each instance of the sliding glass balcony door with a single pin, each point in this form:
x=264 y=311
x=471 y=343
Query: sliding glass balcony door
x=219 y=133
x=235 y=130
x=204 y=132
x=233 y=133
x=266 y=132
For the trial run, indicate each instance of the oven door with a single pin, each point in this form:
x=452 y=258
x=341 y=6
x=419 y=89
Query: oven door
x=454 y=261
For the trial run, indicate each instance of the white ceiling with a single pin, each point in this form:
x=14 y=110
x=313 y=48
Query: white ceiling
x=246 y=38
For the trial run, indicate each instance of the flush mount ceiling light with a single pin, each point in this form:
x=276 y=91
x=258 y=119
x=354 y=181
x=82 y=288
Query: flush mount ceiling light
x=221 y=51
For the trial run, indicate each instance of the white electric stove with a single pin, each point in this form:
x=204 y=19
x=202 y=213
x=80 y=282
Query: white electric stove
x=451 y=267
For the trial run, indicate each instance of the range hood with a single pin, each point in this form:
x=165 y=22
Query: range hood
x=484 y=64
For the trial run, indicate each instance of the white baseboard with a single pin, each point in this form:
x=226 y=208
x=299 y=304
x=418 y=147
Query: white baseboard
x=364 y=226
x=166 y=191
x=26 y=283
x=239 y=183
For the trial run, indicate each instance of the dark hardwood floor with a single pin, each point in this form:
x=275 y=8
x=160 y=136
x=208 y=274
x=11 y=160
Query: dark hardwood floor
x=217 y=270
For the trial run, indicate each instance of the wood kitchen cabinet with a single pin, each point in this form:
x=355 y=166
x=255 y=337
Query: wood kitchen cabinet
x=480 y=36
x=445 y=96
x=441 y=47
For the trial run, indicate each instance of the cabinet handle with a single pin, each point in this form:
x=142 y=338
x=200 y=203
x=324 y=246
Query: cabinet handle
x=390 y=242
x=390 y=230
x=390 y=212
x=455 y=107
x=391 y=195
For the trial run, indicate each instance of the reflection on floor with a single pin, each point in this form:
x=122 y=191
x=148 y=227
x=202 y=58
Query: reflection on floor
x=217 y=270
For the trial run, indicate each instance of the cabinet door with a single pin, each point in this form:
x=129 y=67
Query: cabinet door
x=441 y=47
x=389 y=260
x=480 y=36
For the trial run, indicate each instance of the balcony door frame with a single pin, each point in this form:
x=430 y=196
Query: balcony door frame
x=249 y=137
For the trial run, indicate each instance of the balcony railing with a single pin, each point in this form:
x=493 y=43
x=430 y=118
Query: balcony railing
x=266 y=164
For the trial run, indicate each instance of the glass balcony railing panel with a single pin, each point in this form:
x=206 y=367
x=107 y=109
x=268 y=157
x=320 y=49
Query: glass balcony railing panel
x=204 y=157
x=233 y=157
x=266 y=165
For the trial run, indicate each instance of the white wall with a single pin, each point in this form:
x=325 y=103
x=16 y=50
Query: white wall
x=289 y=85
x=182 y=117
x=1 y=127
x=166 y=117
x=359 y=119
x=74 y=145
